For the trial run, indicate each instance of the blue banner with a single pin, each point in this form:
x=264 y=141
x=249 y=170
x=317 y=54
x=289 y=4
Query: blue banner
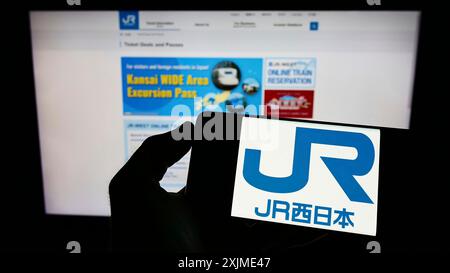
x=154 y=86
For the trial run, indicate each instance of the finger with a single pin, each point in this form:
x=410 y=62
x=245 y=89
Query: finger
x=150 y=161
x=155 y=149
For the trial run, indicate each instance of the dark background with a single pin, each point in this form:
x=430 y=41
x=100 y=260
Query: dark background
x=412 y=174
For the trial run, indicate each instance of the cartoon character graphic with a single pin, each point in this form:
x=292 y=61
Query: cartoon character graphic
x=226 y=76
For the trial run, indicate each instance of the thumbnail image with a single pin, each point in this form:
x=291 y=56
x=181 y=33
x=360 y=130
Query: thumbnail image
x=289 y=103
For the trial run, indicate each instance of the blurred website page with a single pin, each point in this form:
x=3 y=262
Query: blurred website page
x=105 y=81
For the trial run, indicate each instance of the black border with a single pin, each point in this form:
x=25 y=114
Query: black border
x=229 y=5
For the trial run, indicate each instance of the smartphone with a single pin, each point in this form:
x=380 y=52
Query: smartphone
x=217 y=180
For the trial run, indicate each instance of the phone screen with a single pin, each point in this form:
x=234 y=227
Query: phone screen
x=294 y=179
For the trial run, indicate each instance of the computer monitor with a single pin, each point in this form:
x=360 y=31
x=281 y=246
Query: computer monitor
x=106 y=80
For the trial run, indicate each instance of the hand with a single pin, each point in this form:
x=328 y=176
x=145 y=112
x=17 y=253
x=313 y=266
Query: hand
x=144 y=216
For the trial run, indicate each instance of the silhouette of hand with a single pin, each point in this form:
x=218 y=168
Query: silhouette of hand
x=144 y=216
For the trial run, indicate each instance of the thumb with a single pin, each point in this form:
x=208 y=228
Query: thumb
x=150 y=161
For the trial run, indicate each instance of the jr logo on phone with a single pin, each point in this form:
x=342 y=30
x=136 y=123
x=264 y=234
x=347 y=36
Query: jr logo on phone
x=317 y=175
